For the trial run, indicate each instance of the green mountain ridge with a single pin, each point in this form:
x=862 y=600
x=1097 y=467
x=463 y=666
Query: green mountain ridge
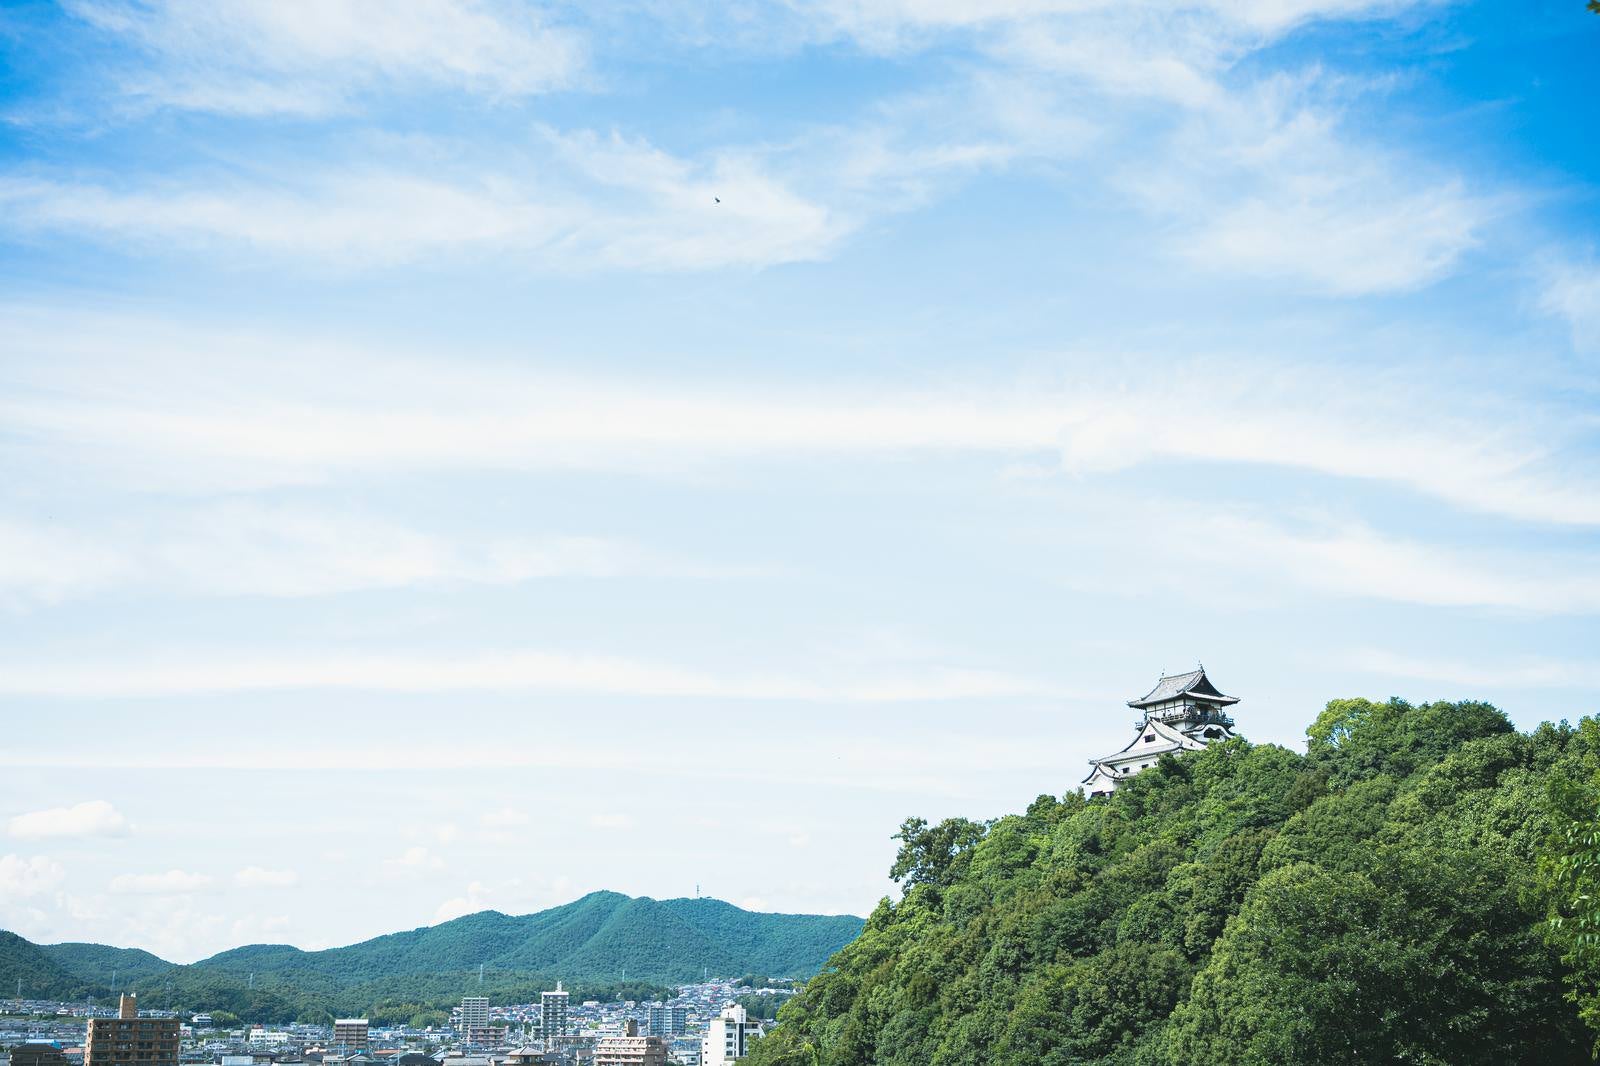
x=90 y=962
x=598 y=940
x=41 y=975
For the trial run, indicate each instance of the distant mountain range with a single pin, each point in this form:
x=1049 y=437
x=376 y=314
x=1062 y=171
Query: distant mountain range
x=603 y=938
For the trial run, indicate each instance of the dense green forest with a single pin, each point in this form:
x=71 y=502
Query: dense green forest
x=602 y=945
x=1381 y=898
x=92 y=960
x=41 y=976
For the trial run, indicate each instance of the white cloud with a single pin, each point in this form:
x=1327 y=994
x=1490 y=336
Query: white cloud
x=243 y=548
x=48 y=564
x=475 y=899
x=1571 y=291
x=1282 y=195
x=495 y=671
x=171 y=883
x=259 y=928
x=562 y=201
x=263 y=57
x=1523 y=673
x=261 y=877
x=506 y=818
x=273 y=422
x=891 y=22
x=22 y=878
x=611 y=820
x=1252 y=174
x=1352 y=560
x=417 y=857
x=92 y=818
x=1326 y=230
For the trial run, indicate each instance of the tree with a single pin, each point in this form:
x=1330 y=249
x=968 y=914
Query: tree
x=934 y=855
x=1569 y=873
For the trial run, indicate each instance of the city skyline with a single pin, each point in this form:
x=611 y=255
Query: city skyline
x=524 y=449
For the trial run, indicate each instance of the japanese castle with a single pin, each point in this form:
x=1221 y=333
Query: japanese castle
x=1184 y=712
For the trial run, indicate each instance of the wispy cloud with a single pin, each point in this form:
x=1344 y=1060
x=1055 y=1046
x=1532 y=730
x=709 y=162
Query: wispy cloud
x=92 y=818
x=265 y=57
x=417 y=857
x=261 y=877
x=611 y=821
x=474 y=899
x=1252 y=174
x=171 y=883
x=1497 y=674
x=577 y=202
x=899 y=23
x=489 y=672
x=249 y=549
x=1283 y=196
x=1347 y=559
x=261 y=420
x=21 y=878
x=1283 y=193
x=1571 y=291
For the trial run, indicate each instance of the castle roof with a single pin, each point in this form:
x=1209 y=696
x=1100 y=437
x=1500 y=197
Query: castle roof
x=1176 y=686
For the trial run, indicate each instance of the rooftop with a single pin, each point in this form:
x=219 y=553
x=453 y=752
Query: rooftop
x=1175 y=686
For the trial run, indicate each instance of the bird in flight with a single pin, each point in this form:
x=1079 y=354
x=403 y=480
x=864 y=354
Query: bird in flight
x=718 y=199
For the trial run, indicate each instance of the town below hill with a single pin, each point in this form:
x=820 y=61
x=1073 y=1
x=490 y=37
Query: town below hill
x=708 y=1023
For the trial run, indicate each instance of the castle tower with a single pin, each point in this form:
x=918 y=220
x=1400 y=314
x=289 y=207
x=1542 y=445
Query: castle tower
x=1184 y=712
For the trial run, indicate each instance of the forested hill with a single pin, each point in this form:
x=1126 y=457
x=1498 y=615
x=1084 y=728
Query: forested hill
x=97 y=962
x=1372 y=901
x=601 y=936
x=26 y=965
x=594 y=943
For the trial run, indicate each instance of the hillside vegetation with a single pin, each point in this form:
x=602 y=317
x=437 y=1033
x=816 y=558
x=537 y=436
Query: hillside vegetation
x=97 y=963
x=1374 y=900
x=41 y=976
x=593 y=943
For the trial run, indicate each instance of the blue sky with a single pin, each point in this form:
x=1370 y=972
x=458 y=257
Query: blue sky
x=471 y=454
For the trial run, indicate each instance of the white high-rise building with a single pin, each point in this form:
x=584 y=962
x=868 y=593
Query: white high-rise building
x=727 y=1037
x=553 y=1014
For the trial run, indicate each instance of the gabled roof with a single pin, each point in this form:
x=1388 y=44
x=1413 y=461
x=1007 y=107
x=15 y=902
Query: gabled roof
x=1099 y=771
x=1173 y=686
x=1168 y=740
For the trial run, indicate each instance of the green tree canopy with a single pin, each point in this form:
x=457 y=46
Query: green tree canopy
x=1376 y=899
